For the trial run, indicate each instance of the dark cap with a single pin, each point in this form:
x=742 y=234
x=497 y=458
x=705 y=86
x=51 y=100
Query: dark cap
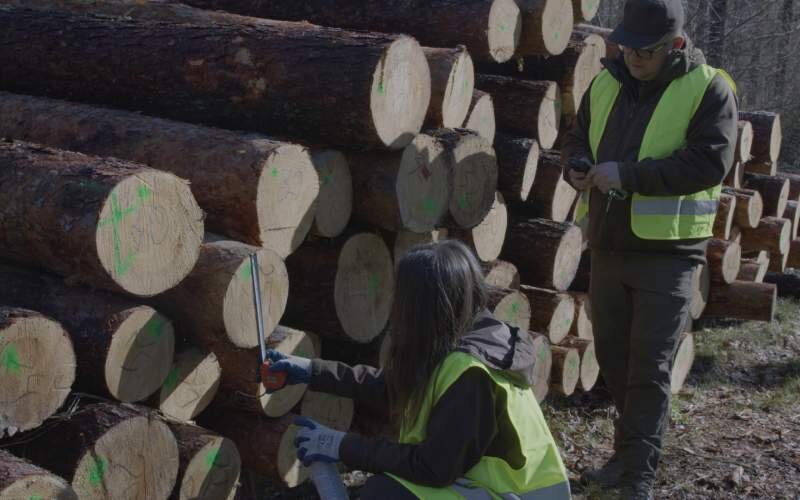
x=647 y=22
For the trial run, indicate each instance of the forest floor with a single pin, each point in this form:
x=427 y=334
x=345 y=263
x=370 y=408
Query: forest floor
x=734 y=430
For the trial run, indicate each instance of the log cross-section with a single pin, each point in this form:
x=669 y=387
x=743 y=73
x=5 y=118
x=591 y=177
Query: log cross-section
x=547 y=253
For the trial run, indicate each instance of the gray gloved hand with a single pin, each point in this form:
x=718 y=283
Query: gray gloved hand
x=315 y=442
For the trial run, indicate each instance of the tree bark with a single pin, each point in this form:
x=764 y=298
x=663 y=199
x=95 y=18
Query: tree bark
x=793 y=214
x=108 y=451
x=123 y=349
x=501 y=274
x=583 y=275
x=774 y=192
x=754 y=268
x=209 y=464
x=742 y=300
x=347 y=283
x=228 y=70
x=725 y=214
x=767 y=134
x=546 y=26
x=21 y=479
x=191 y=384
x=481 y=116
x=252 y=188
x=778 y=262
x=37 y=362
x=787 y=284
x=724 y=260
x=794 y=184
x=794 y=254
x=452 y=83
x=763 y=168
x=221 y=284
x=772 y=234
x=335 y=202
x=552 y=313
x=525 y=108
x=749 y=207
x=113 y=224
x=518 y=161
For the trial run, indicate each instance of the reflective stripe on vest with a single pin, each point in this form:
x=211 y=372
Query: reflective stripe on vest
x=540 y=469
x=660 y=217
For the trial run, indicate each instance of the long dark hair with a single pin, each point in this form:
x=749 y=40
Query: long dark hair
x=439 y=290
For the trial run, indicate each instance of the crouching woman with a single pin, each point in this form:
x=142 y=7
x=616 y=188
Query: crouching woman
x=457 y=384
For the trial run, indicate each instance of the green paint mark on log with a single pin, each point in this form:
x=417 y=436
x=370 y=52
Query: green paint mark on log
x=212 y=457
x=123 y=265
x=247 y=272
x=381 y=88
x=542 y=354
x=274 y=172
x=144 y=193
x=9 y=359
x=429 y=206
x=462 y=201
x=327 y=179
x=171 y=382
x=36 y=497
x=97 y=471
x=374 y=282
x=155 y=327
x=502 y=27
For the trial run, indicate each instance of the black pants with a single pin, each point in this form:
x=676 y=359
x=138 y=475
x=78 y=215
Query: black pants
x=640 y=305
x=382 y=487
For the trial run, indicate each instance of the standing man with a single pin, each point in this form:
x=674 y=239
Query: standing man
x=658 y=128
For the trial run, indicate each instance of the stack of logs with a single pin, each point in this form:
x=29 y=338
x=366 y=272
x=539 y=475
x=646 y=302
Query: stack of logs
x=126 y=306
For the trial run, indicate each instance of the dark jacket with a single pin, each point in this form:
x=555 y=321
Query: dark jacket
x=703 y=163
x=465 y=424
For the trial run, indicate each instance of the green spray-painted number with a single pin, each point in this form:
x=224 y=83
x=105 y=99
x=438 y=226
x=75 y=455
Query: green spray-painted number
x=373 y=284
x=155 y=327
x=9 y=359
x=172 y=379
x=97 y=471
x=123 y=265
x=212 y=457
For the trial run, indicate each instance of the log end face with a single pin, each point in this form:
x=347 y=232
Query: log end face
x=44 y=486
x=330 y=410
x=775 y=140
x=504 y=30
x=683 y=363
x=401 y=92
x=731 y=262
x=279 y=403
x=489 y=235
x=474 y=180
x=335 y=202
x=562 y=319
x=501 y=274
x=531 y=167
x=140 y=356
x=542 y=367
x=556 y=25
x=37 y=369
x=571 y=372
x=588 y=9
x=191 y=384
x=364 y=287
x=149 y=232
x=514 y=309
x=549 y=118
x=568 y=257
x=290 y=470
x=213 y=472
x=481 y=116
x=587 y=67
x=590 y=368
x=288 y=188
x=238 y=313
x=701 y=284
x=405 y=240
x=422 y=184
x=458 y=94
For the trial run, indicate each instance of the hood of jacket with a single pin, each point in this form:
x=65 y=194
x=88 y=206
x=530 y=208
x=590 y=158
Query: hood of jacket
x=501 y=347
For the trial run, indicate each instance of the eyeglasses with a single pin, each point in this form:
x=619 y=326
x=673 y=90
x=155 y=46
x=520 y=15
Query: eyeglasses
x=645 y=54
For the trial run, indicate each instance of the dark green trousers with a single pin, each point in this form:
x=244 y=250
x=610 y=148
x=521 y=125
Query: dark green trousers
x=640 y=305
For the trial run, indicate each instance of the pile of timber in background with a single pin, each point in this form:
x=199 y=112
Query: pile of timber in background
x=125 y=237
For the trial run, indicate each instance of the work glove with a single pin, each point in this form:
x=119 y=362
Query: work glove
x=606 y=177
x=298 y=370
x=315 y=442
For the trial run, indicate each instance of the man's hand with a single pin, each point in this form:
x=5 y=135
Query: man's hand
x=605 y=176
x=579 y=177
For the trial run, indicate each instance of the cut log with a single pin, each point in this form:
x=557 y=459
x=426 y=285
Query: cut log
x=222 y=282
x=778 y=262
x=472 y=176
x=230 y=71
x=736 y=235
x=452 y=83
x=37 y=369
x=110 y=223
x=501 y=274
x=787 y=283
x=551 y=197
x=682 y=363
x=735 y=176
x=123 y=349
x=342 y=288
x=590 y=368
x=489 y=28
x=486 y=239
x=749 y=207
x=566 y=370
x=726 y=211
x=724 y=260
x=239 y=389
x=794 y=254
x=525 y=108
x=266 y=445
x=209 y=464
x=772 y=234
x=584 y=10
x=742 y=300
x=108 y=451
x=582 y=321
x=20 y=479
x=767 y=135
x=331 y=411
x=552 y=313
x=546 y=26
x=547 y=253
x=612 y=49
x=744 y=142
x=481 y=117
x=518 y=161
x=754 y=268
x=701 y=283
x=542 y=367
x=335 y=201
x=763 y=168
x=793 y=214
x=191 y=384
x=252 y=188
x=774 y=191
x=406 y=240
x=510 y=306
x=583 y=276
x=794 y=184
